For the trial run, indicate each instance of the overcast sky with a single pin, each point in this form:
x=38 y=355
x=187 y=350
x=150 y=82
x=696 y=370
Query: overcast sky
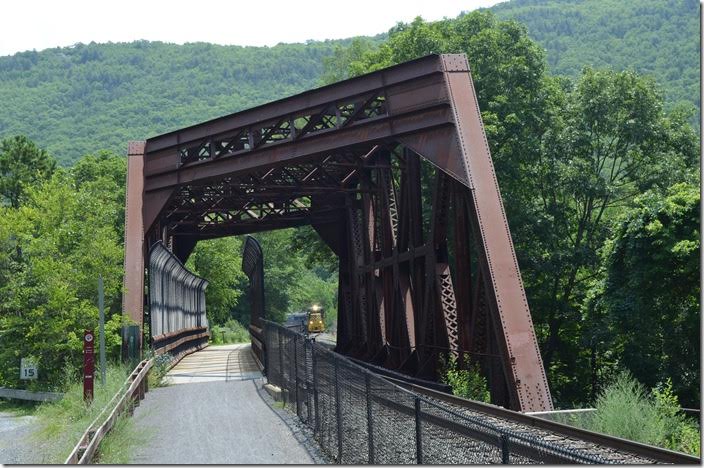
x=33 y=24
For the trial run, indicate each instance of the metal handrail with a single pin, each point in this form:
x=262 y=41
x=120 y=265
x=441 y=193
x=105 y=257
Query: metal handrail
x=134 y=388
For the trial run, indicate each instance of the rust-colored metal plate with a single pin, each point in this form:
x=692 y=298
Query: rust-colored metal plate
x=133 y=283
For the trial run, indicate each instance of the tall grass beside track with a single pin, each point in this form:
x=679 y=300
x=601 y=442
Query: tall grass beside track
x=62 y=423
x=626 y=409
x=231 y=332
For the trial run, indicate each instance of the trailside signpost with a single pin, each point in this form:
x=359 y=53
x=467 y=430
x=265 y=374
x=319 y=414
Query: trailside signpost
x=88 y=364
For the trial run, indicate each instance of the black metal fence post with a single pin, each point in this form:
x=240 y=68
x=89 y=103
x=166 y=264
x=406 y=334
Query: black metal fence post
x=265 y=356
x=280 y=382
x=295 y=370
x=505 y=454
x=315 y=389
x=338 y=412
x=370 y=427
x=306 y=376
x=419 y=438
x=267 y=349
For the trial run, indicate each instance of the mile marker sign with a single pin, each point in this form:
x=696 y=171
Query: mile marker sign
x=28 y=369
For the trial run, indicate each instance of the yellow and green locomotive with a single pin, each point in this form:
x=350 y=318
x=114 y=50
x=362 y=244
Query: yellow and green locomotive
x=315 y=319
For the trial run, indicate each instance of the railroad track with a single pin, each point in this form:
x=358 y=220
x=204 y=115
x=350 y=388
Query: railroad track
x=611 y=449
x=464 y=427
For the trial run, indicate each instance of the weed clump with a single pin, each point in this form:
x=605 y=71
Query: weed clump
x=464 y=377
x=232 y=332
x=625 y=409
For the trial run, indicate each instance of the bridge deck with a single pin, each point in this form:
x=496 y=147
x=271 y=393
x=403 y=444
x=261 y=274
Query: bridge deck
x=215 y=363
x=216 y=414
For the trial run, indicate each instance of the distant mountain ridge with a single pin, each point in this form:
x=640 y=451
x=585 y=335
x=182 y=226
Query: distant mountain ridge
x=76 y=100
x=655 y=37
x=80 y=99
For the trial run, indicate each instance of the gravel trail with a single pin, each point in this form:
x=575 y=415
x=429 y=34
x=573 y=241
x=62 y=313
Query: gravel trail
x=229 y=420
x=16 y=443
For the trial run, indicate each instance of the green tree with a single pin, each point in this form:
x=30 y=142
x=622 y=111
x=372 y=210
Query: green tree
x=660 y=39
x=52 y=249
x=649 y=296
x=22 y=164
x=609 y=145
x=220 y=262
x=337 y=66
x=282 y=270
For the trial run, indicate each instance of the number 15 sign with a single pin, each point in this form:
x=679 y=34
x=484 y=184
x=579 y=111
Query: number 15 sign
x=28 y=369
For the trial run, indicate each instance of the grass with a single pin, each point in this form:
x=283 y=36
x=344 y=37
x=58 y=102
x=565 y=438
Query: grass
x=19 y=407
x=118 y=446
x=625 y=409
x=62 y=423
x=231 y=332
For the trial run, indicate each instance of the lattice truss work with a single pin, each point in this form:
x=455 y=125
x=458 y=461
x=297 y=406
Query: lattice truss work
x=393 y=171
x=404 y=227
x=292 y=127
x=262 y=200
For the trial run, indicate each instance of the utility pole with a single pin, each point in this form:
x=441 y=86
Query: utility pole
x=101 y=311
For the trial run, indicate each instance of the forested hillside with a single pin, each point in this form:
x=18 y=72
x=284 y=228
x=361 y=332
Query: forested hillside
x=76 y=100
x=654 y=37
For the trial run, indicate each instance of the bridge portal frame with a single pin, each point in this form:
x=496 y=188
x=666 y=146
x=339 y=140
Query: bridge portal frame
x=326 y=157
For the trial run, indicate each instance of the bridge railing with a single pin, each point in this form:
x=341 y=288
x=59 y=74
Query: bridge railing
x=359 y=417
x=178 y=323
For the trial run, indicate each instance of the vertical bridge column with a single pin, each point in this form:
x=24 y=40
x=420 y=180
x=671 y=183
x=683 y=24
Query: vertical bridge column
x=133 y=283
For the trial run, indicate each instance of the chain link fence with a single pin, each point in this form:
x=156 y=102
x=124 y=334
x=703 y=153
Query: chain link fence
x=358 y=417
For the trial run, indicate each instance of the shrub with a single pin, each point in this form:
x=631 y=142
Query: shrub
x=680 y=433
x=231 y=332
x=465 y=380
x=625 y=409
x=162 y=365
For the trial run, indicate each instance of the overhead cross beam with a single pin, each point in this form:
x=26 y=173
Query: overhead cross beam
x=427 y=266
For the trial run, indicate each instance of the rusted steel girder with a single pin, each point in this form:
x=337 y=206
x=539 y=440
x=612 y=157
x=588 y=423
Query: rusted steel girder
x=427 y=264
x=133 y=286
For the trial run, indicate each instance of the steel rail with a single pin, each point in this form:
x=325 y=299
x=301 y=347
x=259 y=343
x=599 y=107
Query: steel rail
x=659 y=454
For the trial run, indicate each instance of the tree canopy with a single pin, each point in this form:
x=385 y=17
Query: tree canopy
x=570 y=157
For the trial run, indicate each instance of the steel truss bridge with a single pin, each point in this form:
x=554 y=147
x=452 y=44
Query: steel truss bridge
x=392 y=169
